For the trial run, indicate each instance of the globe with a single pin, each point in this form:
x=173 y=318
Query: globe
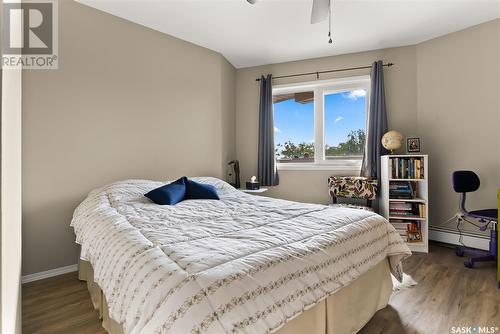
x=392 y=140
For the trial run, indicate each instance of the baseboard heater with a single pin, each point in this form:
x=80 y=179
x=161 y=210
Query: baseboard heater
x=452 y=237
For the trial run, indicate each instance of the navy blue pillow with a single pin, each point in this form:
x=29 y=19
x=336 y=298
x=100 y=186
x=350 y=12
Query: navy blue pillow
x=169 y=194
x=196 y=190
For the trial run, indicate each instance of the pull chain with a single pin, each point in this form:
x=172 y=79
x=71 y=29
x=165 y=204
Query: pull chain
x=330 y=22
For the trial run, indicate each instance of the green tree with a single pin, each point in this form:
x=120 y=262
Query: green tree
x=354 y=145
x=292 y=151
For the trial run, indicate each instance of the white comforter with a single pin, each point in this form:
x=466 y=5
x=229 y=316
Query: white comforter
x=242 y=264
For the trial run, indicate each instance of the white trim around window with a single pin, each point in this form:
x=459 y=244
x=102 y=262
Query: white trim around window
x=322 y=88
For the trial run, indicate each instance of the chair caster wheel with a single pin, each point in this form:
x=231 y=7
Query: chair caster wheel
x=459 y=252
x=468 y=264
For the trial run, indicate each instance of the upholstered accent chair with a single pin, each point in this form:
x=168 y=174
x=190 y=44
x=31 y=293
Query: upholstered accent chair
x=352 y=187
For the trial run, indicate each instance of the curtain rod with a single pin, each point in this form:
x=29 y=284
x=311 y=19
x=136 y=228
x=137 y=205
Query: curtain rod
x=322 y=72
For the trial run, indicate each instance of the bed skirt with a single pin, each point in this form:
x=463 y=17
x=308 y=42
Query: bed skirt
x=344 y=312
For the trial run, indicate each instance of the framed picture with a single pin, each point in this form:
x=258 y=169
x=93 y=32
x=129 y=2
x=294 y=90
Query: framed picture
x=412 y=145
x=414 y=236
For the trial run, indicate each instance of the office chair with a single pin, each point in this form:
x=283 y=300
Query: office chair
x=465 y=181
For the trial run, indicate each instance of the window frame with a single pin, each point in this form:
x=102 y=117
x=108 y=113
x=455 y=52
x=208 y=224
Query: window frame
x=320 y=89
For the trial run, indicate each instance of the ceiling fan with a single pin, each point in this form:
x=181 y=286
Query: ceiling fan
x=321 y=10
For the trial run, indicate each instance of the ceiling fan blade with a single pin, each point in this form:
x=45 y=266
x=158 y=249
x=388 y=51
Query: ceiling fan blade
x=320 y=10
x=251 y=1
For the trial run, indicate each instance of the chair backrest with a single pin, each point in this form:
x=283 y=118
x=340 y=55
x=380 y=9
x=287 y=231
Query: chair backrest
x=352 y=187
x=465 y=181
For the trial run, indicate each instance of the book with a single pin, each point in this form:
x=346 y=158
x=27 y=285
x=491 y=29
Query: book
x=402 y=189
x=406 y=168
x=421 y=210
x=406 y=209
x=400 y=226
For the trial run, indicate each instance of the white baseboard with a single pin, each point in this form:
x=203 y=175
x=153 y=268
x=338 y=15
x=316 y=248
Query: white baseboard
x=452 y=237
x=49 y=273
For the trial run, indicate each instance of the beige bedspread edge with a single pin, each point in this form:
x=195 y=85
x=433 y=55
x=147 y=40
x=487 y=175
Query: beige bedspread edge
x=344 y=312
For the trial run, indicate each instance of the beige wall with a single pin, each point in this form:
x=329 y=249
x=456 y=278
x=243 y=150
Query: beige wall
x=458 y=86
x=445 y=90
x=310 y=186
x=126 y=102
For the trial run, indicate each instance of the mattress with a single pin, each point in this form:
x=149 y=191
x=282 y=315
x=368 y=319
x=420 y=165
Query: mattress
x=242 y=264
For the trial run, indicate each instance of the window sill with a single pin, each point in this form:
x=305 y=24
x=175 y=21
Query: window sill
x=346 y=165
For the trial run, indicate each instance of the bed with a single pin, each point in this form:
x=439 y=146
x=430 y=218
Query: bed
x=244 y=264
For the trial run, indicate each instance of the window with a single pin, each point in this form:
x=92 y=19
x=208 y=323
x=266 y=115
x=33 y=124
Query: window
x=294 y=126
x=345 y=124
x=321 y=125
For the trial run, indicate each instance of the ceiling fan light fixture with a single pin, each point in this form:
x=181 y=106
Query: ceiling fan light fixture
x=321 y=10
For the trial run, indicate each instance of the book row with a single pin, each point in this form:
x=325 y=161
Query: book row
x=405 y=209
x=403 y=189
x=408 y=230
x=407 y=168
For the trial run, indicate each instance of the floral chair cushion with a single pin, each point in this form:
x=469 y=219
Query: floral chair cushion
x=352 y=187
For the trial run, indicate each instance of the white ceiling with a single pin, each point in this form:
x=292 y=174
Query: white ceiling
x=273 y=31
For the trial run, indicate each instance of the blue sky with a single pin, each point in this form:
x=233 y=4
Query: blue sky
x=343 y=112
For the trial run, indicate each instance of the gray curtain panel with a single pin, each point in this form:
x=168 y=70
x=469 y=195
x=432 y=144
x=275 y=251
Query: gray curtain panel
x=267 y=172
x=377 y=124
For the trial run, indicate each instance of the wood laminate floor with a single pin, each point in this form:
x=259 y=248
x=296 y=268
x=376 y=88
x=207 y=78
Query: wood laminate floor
x=447 y=295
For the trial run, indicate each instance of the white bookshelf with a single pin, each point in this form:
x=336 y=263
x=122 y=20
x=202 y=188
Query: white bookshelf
x=421 y=196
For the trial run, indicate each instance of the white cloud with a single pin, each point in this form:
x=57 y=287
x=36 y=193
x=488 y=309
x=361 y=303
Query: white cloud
x=355 y=94
x=338 y=119
x=277 y=130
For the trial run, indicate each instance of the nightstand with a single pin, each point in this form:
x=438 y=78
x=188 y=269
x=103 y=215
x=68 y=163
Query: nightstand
x=255 y=192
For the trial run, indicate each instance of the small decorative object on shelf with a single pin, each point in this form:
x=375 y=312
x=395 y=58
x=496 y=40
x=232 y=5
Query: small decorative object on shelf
x=404 y=197
x=412 y=145
x=253 y=184
x=392 y=140
x=414 y=236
